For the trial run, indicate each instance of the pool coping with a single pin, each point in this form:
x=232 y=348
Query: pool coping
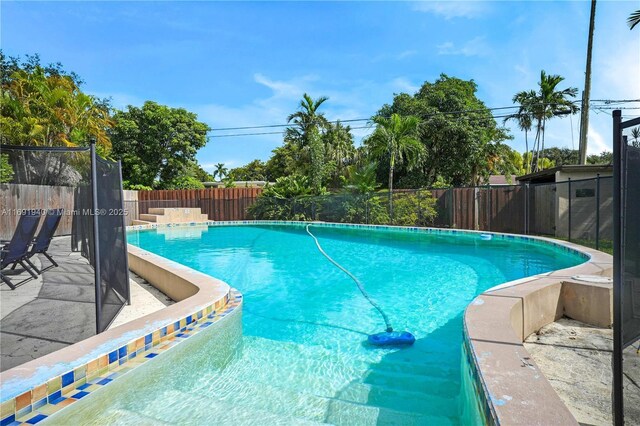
x=39 y=388
x=67 y=364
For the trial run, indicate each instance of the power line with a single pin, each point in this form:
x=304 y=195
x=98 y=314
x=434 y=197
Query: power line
x=595 y=107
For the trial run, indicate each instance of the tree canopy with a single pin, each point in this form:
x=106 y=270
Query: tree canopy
x=157 y=144
x=44 y=106
x=460 y=148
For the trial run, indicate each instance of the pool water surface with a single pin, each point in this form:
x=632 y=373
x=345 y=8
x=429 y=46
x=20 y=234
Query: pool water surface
x=296 y=354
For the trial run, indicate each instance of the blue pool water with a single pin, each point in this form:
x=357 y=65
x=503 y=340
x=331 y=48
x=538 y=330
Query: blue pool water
x=301 y=357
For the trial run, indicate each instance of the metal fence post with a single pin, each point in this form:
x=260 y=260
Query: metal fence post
x=489 y=212
x=618 y=404
x=124 y=237
x=598 y=211
x=569 y=198
x=526 y=208
x=96 y=235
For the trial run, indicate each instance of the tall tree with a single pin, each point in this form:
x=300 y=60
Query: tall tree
x=455 y=143
x=586 y=95
x=220 y=171
x=546 y=103
x=157 y=144
x=306 y=133
x=524 y=119
x=395 y=140
x=339 y=148
x=44 y=106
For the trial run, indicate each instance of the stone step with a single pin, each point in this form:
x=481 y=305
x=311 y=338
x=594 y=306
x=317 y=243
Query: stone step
x=140 y=222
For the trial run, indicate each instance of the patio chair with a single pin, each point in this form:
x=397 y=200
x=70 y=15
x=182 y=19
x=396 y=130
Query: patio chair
x=45 y=235
x=17 y=251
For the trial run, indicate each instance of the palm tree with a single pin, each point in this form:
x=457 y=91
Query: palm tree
x=220 y=171
x=524 y=118
x=305 y=118
x=634 y=19
x=340 y=149
x=306 y=132
x=395 y=139
x=546 y=103
x=635 y=134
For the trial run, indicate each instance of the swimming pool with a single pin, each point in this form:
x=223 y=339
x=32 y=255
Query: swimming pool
x=297 y=355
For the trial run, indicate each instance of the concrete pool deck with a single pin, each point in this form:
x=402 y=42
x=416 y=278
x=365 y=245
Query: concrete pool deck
x=57 y=309
x=576 y=359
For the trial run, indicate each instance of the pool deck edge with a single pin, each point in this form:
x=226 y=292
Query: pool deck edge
x=512 y=388
x=49 y=383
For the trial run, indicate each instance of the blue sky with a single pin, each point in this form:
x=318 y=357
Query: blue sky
x=243 y=64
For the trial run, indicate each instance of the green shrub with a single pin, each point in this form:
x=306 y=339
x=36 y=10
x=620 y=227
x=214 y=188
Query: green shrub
x=136 y=187
x=185 y=182
x=288 y=199
x=414 y=209
x=6 y=169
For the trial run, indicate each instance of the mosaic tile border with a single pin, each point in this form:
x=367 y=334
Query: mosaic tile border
x=37 y=404
x=413 y=229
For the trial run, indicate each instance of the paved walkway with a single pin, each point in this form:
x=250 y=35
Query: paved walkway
x=57 y=309
x=576 y=358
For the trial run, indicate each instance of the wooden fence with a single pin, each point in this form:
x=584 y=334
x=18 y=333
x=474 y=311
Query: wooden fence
x=216 y=203
x=538 y=209
x=14 y=197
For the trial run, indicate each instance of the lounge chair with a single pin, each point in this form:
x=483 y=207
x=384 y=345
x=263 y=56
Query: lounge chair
x=17 y=251
x=44 y=237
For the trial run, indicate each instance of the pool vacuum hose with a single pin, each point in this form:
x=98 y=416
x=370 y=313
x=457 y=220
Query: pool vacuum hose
x=385 y=338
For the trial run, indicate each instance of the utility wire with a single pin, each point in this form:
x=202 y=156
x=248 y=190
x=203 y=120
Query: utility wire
x=597 y=108
x=353 y=120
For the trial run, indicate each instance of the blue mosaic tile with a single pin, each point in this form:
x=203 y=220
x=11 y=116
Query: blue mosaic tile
x=122 y=352
x=83 y=387
x=151 y=355
x=163 y=332
x=8 y=420
x=80 y=394
x=147 y=339
x=54 y=396
x=104 y=382
x=113 y=356
x=189 y=320
x=67 y=379
x=57 y=400
x=176 y=325
x=35 y=419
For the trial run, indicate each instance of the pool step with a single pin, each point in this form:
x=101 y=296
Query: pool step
x=333 y=378
x=173 y=215
x=191 y=408
x=268 y=405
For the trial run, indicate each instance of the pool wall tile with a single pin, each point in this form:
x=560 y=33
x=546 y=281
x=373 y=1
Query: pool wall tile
x=7 y=408
x=61 y=391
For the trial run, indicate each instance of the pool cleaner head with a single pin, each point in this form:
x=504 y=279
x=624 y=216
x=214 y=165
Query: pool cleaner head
x=391 y=339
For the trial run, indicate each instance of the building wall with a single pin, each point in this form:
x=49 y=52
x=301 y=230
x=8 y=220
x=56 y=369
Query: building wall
x=584 y=206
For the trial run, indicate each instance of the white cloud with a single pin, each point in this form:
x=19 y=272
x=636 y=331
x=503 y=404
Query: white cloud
x=474 y=47
x=406 y=54
x=452 y=9
x=404 y=85
x=596 y=143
